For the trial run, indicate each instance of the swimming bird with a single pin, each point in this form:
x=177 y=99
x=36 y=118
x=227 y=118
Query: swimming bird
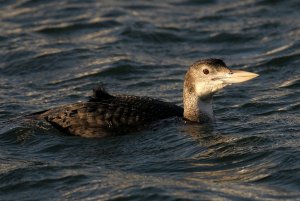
x=107 y=115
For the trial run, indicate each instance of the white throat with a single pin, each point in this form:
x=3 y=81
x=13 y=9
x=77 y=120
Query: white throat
x=205 y=108
x=197 y=109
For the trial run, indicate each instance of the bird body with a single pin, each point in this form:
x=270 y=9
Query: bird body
x=106 y=115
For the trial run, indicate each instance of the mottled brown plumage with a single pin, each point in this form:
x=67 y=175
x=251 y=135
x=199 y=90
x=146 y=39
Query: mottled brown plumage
x=106 y=114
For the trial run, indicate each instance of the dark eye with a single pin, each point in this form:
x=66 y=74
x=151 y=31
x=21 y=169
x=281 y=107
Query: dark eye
x=205 y=71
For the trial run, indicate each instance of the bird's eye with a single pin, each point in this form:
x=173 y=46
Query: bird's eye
x=205 y=71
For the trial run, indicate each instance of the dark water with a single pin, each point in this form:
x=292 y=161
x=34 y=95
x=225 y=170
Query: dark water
x=54 y=52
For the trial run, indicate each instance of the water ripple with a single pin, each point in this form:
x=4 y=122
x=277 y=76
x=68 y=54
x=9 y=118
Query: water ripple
x=55 y=52
x=73 y=28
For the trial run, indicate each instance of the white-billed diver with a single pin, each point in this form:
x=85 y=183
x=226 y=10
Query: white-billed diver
x=106 y=115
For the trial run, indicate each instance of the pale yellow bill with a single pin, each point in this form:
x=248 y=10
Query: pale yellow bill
x=238 y=76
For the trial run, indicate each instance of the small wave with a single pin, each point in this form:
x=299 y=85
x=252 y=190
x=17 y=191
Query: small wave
x=193 y=3
x=122 y=67
x=280 y=60
x=262 y=25
x=292 y=107
x=230 y=38
x=46 y=61
x=268 y=2
x=79 y=27
x=118 y=67
x=3 y=38
x=291 y=84
x=141 y=6
x=30 y=3
x=151 y=36
x=115 y=12
x=278 y=49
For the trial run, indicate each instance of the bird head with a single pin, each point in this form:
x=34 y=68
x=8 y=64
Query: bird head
x=207 y=76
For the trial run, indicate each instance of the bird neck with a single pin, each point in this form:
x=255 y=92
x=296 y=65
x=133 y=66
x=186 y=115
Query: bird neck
x=197 y=109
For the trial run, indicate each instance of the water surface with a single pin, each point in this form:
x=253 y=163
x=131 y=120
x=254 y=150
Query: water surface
x=55 y=52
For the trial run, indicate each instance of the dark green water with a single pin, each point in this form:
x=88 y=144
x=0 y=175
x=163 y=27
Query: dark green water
x=54 y=52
